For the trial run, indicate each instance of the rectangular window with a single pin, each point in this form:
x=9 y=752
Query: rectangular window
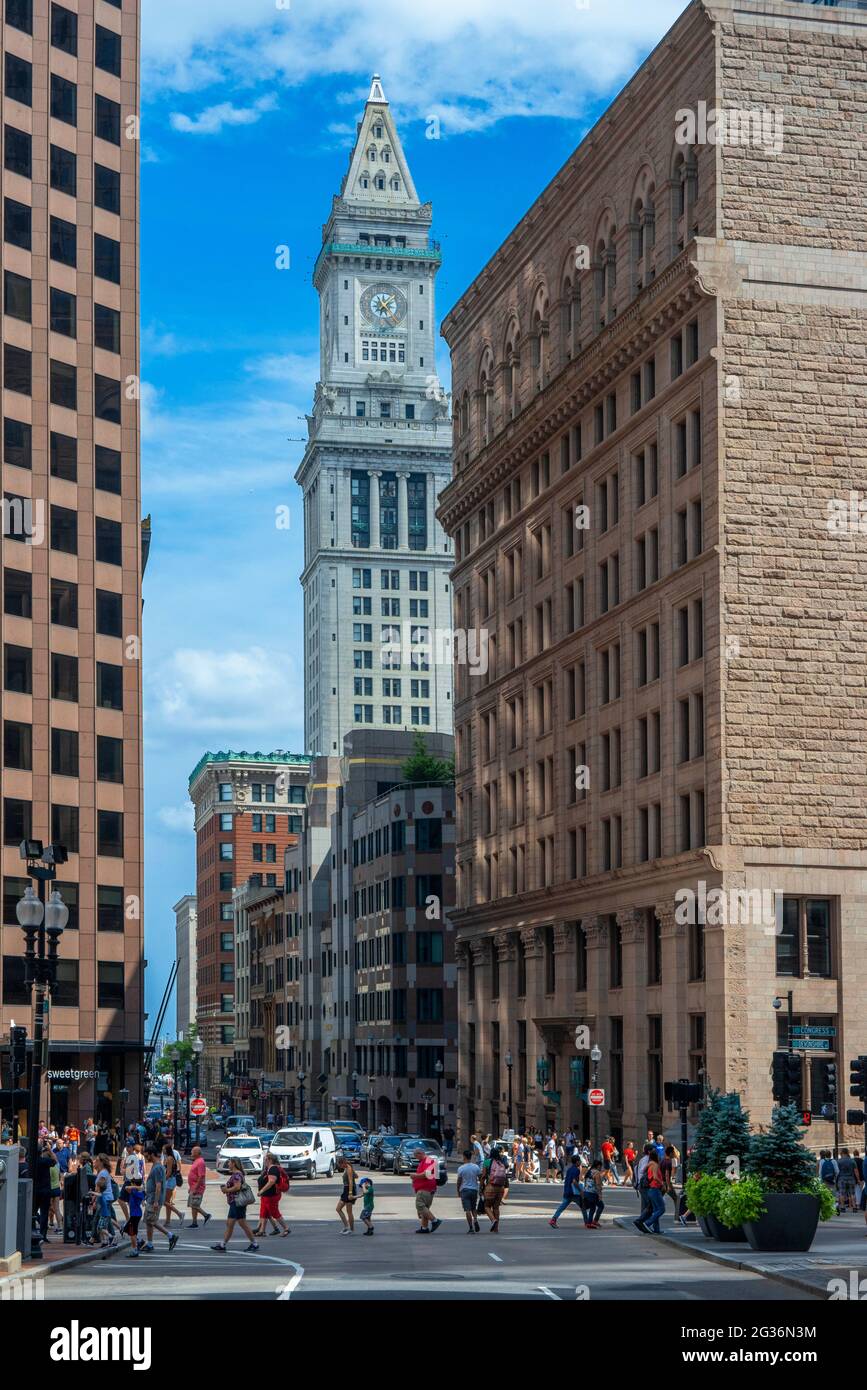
x=18 y=151
x=63 y=450
x=63 y=385
x=17 y=594
x=19 y=13
x=106 y=258
x=64 y=100
x=109 y=613
x=17 y=746
x=64 y=29
x=64 y=753
x=64 y=677
x=109 y=759
x=17 y=219
x=109 y=548
x=63 y=171
x=106 y=399
x=107 y=54
x=17 y=443
x=17 y=820
x=17 y=369
x=63 y=242
x=106 y=190
x=64 y=827
x=107 y=119
x=64 y=529
x=106 y=328
x=62 y=312
x=109 y=833
x=109 y=985
x=109 y=908
x=17 y=296
x=107 y=469
x=109 y=685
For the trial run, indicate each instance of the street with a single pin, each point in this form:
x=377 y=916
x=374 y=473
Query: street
x=525 y=1261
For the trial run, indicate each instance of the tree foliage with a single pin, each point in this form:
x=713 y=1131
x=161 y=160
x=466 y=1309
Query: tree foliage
x=422 y=767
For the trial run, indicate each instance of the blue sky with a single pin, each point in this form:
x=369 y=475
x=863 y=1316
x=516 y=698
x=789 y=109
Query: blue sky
x=247 y=127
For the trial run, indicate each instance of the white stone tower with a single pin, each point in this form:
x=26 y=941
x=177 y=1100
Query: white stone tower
x=376 y=561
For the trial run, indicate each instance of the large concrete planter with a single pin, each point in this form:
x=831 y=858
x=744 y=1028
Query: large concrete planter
x=705 y=1228
x=727 y=1234
x=789 y=1223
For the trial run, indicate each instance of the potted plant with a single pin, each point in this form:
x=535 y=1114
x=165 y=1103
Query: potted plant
x=703 y=1194
x=778 y=1201
x=699 y=1159
x=729 y=1146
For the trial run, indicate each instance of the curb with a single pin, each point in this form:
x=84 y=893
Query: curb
x=36 y=1270
x=728 y=1262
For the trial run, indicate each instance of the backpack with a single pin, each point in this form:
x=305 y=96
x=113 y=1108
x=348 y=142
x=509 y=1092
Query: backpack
x=283 y=1181
x=497 y=1174
x=828 y=1171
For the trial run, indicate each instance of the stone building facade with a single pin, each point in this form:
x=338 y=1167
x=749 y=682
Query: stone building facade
x=657 y=432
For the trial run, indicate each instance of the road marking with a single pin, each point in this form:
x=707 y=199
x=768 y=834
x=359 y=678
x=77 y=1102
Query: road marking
x=495 y=1257
x=550 y=1293
x=285 y=1291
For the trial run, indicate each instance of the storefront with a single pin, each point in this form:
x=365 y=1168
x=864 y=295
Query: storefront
x=83 y=1085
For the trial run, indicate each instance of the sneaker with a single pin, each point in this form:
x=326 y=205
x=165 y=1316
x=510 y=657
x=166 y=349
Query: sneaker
x=219 y=1246
x=421 y=1231
x=639 y=1225
x=470 y=1231
x=368 y=1232
x=553 y=1224
x=494 y=1228
x=208 y=1215
x=148 y=1249
x=345 y=1231
x=476 y=1228
x=173 y=1240
x=254 y=1245
x=132 y=1255
x=436 y=1223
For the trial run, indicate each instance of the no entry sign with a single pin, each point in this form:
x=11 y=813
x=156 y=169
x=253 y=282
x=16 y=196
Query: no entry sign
x=596 y=1097
x=199 y=1106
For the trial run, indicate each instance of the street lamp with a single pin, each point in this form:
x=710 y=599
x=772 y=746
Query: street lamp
x=188 y=1074
x=439 y=1069
x=174 y=1058
x=371 y=1083
x=428 y=1098
x=42 y=924
x=198 y=1049
x=777 y=1003
x=302 y=1076
x=596 y=1058
x=509 y=1061
x=354 y=1091
x=123 y=1097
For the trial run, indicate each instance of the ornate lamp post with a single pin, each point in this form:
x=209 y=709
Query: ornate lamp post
x=123 y=1097
x=371 y=1082
x=188 y=1078
x=302 y=1077
x=428 y=1098
x=509 y=1062
x=174 y=1058
x=354 y=1091
x=198 y=1049
x=42 y=924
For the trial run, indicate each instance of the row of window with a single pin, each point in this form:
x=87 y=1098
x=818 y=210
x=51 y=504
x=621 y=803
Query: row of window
x=110 y=915
x=62 y=240
x=18 y=677
x=263 y=792
x=389 y=1005
x=389 y=607
x=63 y=456
x=110 y=993
x=63 y=384
x=18 y=826
x=390 y=579
x=390 y=894
x=63 y=530
x=391 y=949
x=64 y=29
x=62 y=312
x=419 y=715
x=18 y=752
x=391 y=687
x=18 y=602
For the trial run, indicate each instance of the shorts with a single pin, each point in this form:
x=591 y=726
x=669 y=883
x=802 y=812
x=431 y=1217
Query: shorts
x=469 y=1198
x=423 y=1202
x=346 y=1197
x=367 y=1213
x=195 y=1200
x=171 y=1184
x=269 y=1205
x=131 y=1226
x=847 y=1187
x=237 y=1211
x=151 y=1214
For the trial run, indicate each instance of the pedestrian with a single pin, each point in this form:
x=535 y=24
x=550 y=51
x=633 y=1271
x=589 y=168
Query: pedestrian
x=668 y=1168
x=347 y=1197
x=155 y=1196
x=239 y=1196
x=424 y=1185
x=365 y=1187
x=101 y=1203
x=496 y=1181
x=846 y=1180
x=45 y=1161
x=74 y=1140
x=130 y=1169
x=478 y=1148
x=629 y=1161
x=90 y=1136
x=551 y=1158
x=448 y=1140
x=520 y=1156
x=197 y=1181
x=655 y=1195
x=56 y=1185
x=135 y=1201
x=272 y=1182
x=468 y=1179
x=828 y=1174
x=642 y=1187
x=571 y=1192
x=172 y=1165
x=592 y=1205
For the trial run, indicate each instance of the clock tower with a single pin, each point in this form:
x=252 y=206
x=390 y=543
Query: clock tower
x=376 y=561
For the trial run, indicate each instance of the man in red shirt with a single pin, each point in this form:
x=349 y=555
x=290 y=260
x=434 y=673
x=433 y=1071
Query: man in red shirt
x=424 y=1185
x=607 y=1155
x=197 y=1180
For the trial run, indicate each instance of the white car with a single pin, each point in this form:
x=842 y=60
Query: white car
x=308 y=1149
x=247 y=1147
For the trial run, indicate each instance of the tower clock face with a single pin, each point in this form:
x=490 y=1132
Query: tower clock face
x=384 y=305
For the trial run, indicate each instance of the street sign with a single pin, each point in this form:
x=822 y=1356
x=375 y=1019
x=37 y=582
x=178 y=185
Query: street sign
x=355 y=1104
x=198 y=1106
x=596 y=1097
x=812 y=1044
x=823 y=1030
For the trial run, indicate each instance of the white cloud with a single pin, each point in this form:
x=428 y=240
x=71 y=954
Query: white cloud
x=177 y=817
x=472 y=62
x=226 y=695
x=212 y=119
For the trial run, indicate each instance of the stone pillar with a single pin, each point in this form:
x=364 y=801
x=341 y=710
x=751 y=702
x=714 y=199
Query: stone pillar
x=632 y=923
x=596 y=931
x=481 y=954
x=531 y=938
x=374 y=476
x=402 y=511
x=430 y=507
x=462 y=956
x=504 y=945
x=675 y=1024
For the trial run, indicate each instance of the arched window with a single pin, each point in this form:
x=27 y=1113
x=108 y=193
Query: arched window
x=485 y=393
x=642 y=232
x=395 y=183
x=380 y=181
x=605 y=272
x=540 y=336
x=386 y=155
x=570 y=311
x=511 y=366
x=371 y=154
x=377 y=131
x=365 y=181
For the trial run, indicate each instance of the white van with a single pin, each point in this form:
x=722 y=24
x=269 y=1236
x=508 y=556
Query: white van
x=308 y=1149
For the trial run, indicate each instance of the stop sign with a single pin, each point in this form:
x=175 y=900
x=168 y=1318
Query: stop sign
x=596 y=1097
x=199 y=1106
x=355 y=1104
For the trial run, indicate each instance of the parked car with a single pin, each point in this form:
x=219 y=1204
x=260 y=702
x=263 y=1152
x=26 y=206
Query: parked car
x=236 y=1124
x=266 y=1135
x=349 y=1146
x=366 y=1144
x=244 y=1146
x=405 y=1161
x=308 y=1149
x=387 y=1145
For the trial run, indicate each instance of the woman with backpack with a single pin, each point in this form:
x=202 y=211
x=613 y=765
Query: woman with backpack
x=272 y=1183
x=496 y=1182
x=239 y=1195
x=174 y=1180
x=592 y=1205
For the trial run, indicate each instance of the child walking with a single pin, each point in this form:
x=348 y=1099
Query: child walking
x=366 y=1187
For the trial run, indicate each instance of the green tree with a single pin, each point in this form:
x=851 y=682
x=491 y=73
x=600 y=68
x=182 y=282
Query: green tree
x=184 y=1049
x=780 y=1159
x=704 y=1135
x=731 y=1137
x=422 y=767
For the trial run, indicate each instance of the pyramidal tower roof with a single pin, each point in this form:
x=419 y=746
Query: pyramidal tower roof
x=378 y=175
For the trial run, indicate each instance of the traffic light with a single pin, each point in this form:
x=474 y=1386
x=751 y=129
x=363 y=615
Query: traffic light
x=855 y=1117
x=806 y=1117
x=680 y=1094
x=18 y=1040
x=786 y=1079
x=829 y=1070
x=858 y=1078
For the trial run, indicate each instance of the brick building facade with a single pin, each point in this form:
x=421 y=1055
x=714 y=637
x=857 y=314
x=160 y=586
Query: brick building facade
x=655 y=384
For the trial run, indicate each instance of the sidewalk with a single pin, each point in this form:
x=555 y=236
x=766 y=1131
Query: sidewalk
x=839 y=1251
